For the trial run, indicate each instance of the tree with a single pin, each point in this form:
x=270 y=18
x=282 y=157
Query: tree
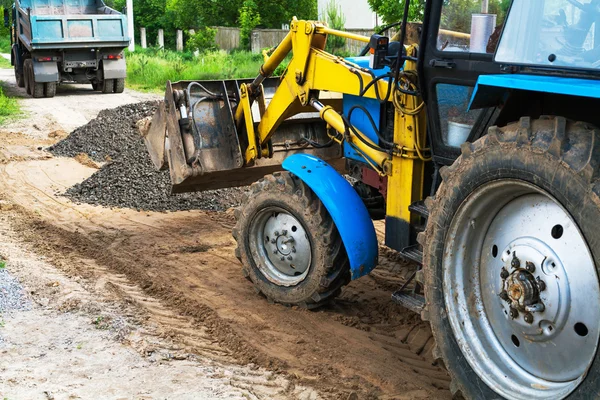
x=249 y=19
x=336 y=20
x=391 y=10
x=455 y=12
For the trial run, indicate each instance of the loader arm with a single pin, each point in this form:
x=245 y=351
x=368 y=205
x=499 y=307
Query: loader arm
x=311 y=70
x=232 y=133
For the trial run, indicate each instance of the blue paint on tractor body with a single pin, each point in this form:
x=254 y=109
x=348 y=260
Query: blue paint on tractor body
x=492 y=90
x=359 y=119
x=345 y=207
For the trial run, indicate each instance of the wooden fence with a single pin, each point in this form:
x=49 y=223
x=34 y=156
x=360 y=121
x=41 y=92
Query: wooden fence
x=229 y=39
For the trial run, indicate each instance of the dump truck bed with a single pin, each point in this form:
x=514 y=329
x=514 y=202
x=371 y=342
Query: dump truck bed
x=65 y=24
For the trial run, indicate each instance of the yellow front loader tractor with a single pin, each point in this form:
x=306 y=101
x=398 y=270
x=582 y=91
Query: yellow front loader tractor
x=476 y=143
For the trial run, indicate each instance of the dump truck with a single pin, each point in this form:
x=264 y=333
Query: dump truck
x=478 y=147
x=55 y=41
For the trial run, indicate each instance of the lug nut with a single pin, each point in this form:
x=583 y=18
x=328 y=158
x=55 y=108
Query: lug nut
x=513 y=313
x=275 y=251
x=273 y=241
x=540 y=284
x=284 y=232
x=504 y=273
x=528 y=317
x=282 y=258
x=276 y=233
x=515 y=263
x=293 y=249
x=290 y=258
x=529 y=266
x=504 y=296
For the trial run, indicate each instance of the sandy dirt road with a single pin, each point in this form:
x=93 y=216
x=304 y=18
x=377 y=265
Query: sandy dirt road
x=178 y=271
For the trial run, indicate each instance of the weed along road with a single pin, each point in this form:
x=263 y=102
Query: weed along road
x=122 y=298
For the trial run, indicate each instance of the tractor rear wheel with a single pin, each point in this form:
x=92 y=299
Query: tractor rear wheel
x=288 y=244
x=511 y=272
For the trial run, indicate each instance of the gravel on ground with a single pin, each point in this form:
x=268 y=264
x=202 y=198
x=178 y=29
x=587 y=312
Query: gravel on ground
x=129 y=179
x=12 y=295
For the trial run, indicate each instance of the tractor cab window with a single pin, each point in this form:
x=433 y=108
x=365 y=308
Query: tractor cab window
x=472 y=26
x=553 y=33
x=456 y=121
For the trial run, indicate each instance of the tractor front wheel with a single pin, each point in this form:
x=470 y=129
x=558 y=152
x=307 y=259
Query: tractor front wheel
x=511 y=270
x=288 y=243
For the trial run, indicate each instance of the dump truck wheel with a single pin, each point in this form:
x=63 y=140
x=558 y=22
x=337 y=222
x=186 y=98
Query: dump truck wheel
x=511 y=263
x=288 y=244
x=108 y=85
x=37 y=89
x=19 y=77
x=27 y=75
x=49 y=89
x=119 y=85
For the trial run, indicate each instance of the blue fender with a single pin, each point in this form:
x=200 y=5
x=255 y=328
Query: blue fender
x=345 y=207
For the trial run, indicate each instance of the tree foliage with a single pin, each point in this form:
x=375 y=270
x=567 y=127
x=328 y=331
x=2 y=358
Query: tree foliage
x=336 y=20
x=249 y=19
x=198 y=14
x=456 y=14
x=391 y=10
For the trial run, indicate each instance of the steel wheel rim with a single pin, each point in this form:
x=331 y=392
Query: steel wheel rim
x=280 y=246
x=513 y=356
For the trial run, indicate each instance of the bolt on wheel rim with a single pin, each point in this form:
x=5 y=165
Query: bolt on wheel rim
x=280 y=246
x=521 y=290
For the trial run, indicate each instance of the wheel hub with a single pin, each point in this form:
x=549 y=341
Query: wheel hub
x=283 y=247
x=521 y=289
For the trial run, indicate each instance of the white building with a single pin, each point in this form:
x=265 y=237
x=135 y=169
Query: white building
x=357 y=12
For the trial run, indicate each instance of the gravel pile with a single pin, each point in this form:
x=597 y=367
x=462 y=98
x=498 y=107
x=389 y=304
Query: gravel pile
x=129 y=178
x=12 y=295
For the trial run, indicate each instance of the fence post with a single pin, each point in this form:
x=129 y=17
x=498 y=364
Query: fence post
x=143 y=37
x=161 y=38
x=179 y=40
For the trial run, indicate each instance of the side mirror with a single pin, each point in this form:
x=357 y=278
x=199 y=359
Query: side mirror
x=6 y=18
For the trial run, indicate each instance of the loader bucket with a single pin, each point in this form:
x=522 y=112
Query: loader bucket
x=195 y=133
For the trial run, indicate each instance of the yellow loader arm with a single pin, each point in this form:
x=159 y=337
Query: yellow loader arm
x=217 y=134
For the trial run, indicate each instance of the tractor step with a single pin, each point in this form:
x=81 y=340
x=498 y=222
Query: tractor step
x=413 y=253
x=408 y=299
x=419 y=208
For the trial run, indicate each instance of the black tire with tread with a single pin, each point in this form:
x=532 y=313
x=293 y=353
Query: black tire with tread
x=561 y=157
x=108 y=86
x=329 y=270
x=119 y=85
x=27 y=76
x=49 y=89
x=37 y=89
x=19 y=78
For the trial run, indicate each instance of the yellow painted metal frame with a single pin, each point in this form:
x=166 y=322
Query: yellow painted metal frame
x=312 y=70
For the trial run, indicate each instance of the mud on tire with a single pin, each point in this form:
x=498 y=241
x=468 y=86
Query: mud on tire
x=329 y=267
x=560 y=157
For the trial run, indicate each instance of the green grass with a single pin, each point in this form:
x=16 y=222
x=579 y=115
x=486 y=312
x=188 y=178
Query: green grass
x=149 y=70
x=9 y=108
x=4 y=63
x=5 y=43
